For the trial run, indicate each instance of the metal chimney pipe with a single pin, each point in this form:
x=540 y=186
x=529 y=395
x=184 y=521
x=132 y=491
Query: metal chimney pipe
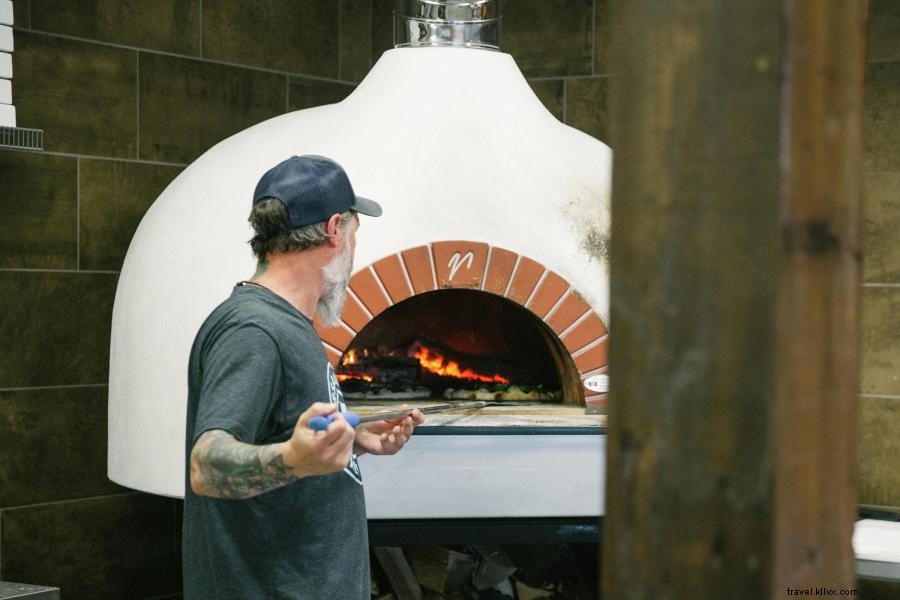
x=465 y=23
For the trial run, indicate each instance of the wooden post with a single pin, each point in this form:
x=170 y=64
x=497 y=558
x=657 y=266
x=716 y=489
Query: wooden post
x=735 y=275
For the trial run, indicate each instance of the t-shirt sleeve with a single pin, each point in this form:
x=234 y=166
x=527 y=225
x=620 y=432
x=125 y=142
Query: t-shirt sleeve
x=241 y=382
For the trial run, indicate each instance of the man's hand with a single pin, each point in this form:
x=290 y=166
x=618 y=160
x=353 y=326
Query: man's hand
x=310 y=452
x=224 y=467
x=387 y=437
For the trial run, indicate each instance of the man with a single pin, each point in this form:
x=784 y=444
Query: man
x=272 y=508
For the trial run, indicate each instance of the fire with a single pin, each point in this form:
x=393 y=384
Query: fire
x=347 y=377
x=351 y=358
x=436 y=363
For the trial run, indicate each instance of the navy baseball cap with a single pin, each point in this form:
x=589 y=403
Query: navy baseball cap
x=312 y=188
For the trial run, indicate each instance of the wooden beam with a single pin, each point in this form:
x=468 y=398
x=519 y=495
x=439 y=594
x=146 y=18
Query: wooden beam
x=734 y=292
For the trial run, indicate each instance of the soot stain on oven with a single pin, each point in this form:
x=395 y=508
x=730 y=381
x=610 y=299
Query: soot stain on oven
x=458 y=344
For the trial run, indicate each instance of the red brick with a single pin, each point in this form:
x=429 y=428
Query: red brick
x=499 y=270
x=459 y=264
x=584 y=333
x=390 y=271
x=567 y=313
x=418 y=265
x=524 y=279
x=594 y=358
x=366 y=288
x=354 y=315
x=337 y=336
x=550 y=290
x=333 y=356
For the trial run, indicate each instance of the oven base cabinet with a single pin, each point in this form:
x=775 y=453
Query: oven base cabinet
x=493 y=475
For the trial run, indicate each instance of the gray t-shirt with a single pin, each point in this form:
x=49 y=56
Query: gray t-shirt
x=256 y=364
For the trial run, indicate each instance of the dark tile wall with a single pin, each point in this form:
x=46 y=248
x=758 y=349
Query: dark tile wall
x=166 y=25
x=57 y=90
x=118 y=546
x=286 y=35
x=879 y=452
x=114 y=195
x=38 y=207
x=128 y=93
x=188 y=105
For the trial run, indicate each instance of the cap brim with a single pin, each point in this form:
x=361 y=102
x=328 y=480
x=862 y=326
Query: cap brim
x=367 y=207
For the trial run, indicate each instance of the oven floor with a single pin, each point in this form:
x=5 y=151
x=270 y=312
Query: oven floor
x=508 y=414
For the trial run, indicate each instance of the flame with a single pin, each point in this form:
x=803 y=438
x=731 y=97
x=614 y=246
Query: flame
x=346 y=377
x=436 y=363
x=349 y=359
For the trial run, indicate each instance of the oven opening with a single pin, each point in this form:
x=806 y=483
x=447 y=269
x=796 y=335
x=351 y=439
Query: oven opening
x=459 y=344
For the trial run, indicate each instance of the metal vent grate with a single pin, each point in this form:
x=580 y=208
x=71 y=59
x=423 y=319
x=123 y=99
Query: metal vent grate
x=21 y=138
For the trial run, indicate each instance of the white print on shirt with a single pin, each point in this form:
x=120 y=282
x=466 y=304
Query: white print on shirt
x=336 y=396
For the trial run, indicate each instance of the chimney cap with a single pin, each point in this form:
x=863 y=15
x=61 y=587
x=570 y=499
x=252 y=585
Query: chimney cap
x=466 y=23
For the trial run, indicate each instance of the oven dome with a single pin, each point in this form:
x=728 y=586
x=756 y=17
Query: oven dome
x=452 y=143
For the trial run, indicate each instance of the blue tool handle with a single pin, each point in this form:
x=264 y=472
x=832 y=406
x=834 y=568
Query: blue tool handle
x=322 y=423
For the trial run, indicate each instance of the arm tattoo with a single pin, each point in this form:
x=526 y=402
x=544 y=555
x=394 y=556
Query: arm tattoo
x=227 y=468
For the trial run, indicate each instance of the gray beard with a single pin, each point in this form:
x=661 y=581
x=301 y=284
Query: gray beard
x=336 y=277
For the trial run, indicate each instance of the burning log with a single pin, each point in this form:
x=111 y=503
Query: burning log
x=426 y=367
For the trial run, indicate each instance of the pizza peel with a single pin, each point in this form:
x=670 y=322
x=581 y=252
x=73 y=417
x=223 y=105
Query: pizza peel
x=321 y=423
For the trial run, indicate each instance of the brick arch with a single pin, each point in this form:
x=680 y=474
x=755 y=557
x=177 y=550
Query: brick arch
x=476 y=266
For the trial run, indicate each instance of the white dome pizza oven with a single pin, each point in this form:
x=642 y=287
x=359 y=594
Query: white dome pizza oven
x=491 y=251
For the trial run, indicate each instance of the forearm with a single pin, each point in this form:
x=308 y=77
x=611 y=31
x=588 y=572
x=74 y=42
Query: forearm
x=223 y=467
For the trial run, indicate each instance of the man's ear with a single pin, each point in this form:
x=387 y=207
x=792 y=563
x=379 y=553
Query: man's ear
x=333 y=229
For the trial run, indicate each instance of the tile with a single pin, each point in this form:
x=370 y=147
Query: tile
x=602 y=36
x=366 y=288
x=551 y=92
x=500 y=267
x=549 y=39
x=356 y=39
x=382 y=27
x=168 y=25
x=84 y=96
x=879 y=452
x=569 y=311
x=354 y=314
x=525 y=277
x=551 y=289
x=882 y=117
x=39 y=211
x=187 y=105
x=114 y=197
x=75 y=420
x=390 y=271
x=334 y=357
x=306 y=93
x=459 y=264
x=22 y=13
x=881 y=341
x=123 y=546
x=884 y=30
x=298 y=37
x=881 y=251
x=594 y=358
x=420 y=268
x=586 y=332
x=587 y=106
x=55 y=328
x=338 y=336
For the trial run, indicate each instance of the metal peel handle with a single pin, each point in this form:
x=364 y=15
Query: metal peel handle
x=322 y=423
